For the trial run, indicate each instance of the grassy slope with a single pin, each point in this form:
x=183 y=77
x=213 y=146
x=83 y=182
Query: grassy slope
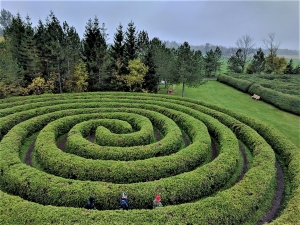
x=226 y=96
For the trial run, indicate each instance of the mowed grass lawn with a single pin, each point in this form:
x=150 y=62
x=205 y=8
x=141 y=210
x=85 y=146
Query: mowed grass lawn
x=222 y=95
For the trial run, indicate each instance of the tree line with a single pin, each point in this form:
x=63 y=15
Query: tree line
x=51 y=58
x=257 y=62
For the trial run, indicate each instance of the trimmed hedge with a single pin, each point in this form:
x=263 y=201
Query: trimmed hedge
x=232 y=206
x=242 y=85
x=286 y=102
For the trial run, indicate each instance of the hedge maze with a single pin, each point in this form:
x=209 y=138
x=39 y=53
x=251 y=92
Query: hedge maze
x=209 y=164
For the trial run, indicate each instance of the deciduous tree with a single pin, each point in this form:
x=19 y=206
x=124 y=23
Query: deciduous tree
x=135 y=78
x=246 y=45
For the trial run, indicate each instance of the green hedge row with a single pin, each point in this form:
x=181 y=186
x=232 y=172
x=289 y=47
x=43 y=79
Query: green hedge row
x=283 y=101
x=242 y=85
x=170 y=143
x=143 y=136
x=67 y=192
x=56 y=162
x=233 y=205
x=284 y=148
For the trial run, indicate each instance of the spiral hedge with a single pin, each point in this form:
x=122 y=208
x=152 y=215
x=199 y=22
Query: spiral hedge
x=196 y=188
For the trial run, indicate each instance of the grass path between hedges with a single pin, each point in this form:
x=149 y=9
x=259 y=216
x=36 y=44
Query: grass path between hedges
x=223 y=95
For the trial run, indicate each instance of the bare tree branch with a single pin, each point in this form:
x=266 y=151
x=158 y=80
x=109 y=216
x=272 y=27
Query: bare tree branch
x=246 y=44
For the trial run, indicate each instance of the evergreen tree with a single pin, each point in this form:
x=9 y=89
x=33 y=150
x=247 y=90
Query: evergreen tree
x=235 y=62
x=15 y=34
x=289 y=68
x=258 y=61
x=188 y=68
x=164 y=61
x=209 y=63
x=117 y=67
x=130 y=51
x=54 y=40
x=143 y=44
x=213 y=62
x=8 y=66
x=217 y=59
x=117 y=49
x=150 y=79
x=40 y=39
x=94 y=53
x=28 y=53
x=70 y=49
x=5 y=20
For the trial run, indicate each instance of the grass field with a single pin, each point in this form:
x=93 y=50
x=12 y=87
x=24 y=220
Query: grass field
x=225 y=96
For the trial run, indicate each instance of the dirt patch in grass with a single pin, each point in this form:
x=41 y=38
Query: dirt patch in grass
x=28 y=154
x=269 y=216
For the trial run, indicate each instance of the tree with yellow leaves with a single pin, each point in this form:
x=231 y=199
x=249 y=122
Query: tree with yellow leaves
x=135 y=78
x=79 y=78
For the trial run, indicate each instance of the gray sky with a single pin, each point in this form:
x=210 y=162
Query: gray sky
x=197 y=22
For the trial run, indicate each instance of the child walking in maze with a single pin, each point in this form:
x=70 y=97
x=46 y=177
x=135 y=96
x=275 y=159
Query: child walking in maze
x=91 y=203
x=124 y=201
x=156 y=202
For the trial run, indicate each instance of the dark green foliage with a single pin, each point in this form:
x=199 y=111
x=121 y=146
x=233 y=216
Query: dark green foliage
x=94 y=52
x=247 y=195
x=283 y=101
x=235 y=62
x=212 y=62
x=258 y=61
x=290 y=103
x=188 y=67
x=151 y=79
x=242 y=85
x=130 y=42
x=5 y=20
x=289 y=68
x=143 y=44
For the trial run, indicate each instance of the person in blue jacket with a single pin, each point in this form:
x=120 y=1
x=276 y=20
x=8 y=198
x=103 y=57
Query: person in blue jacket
x=91 y=203
x=124 y=201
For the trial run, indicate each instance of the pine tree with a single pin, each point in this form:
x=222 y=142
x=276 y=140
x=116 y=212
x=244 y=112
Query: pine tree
x=15 y=34
x=217 y=59
x=258 y=61
x=54 y=38
x=28 y=53
x=130 y=43
x=95 y=53
x=164 y=62
x=5 y=20
x=143 y=44
x=70 y=50
x=209 y=63
x=42 y=50
x=289 y=68
x=151 y=79
x=188 y=67
x=235 y=62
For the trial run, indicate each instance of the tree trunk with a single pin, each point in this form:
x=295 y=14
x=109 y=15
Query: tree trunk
x=182 y=93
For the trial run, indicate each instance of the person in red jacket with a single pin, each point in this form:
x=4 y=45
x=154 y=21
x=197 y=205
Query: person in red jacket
x=156 y=202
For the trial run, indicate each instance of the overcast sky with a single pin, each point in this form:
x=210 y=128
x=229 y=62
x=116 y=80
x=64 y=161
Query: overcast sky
x=197 y=22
